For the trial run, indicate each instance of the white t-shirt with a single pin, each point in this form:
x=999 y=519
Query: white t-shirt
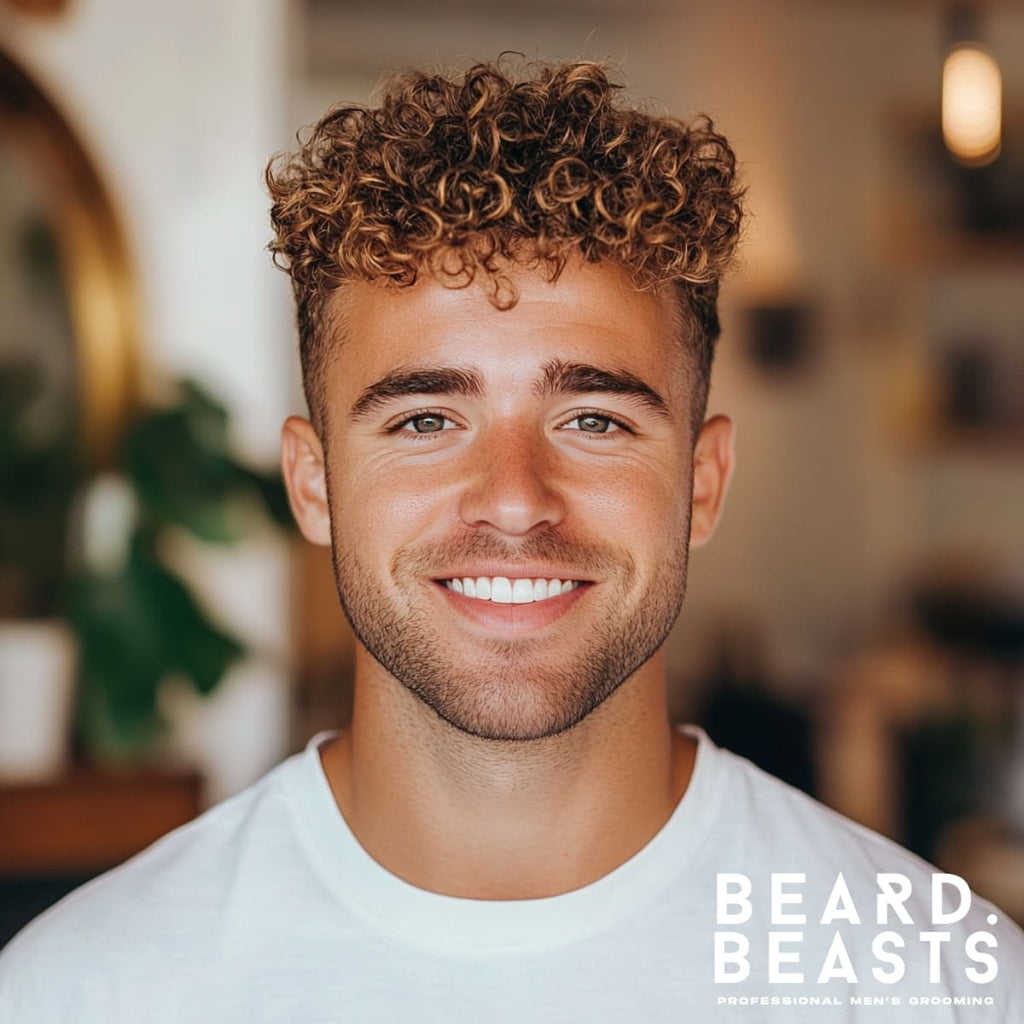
x=266 y=908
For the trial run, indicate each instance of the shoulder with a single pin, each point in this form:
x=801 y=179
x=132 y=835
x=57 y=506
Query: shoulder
x=167 y=898
x=795 y=826
x=801 y=863
x=795 y=833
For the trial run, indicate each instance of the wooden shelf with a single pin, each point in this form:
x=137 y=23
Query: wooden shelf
x=89 y=821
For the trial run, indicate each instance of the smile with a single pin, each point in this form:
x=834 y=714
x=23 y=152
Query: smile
x=502 y=590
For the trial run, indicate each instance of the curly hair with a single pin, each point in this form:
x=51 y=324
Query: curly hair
x=454 y=176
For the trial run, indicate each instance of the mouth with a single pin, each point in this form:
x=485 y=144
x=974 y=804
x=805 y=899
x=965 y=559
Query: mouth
x=505 y=590
x=505 y=604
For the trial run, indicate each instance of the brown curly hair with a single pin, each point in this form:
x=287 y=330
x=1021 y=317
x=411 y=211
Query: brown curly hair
x=454 y=176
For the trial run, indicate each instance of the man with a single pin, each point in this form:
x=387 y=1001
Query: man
x=506 y=300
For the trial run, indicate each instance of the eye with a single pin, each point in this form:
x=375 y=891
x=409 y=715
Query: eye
x=428 y=422
x=596 y=423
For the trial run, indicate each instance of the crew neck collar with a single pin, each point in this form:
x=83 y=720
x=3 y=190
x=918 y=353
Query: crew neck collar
x=389 y=903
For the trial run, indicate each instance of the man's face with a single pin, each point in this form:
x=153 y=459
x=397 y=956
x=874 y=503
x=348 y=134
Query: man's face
x=473 y=457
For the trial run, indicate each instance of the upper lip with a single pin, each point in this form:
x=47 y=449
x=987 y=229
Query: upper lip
x=516 y=572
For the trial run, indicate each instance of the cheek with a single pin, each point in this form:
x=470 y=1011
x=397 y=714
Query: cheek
x=643 y=499
x=381 y=501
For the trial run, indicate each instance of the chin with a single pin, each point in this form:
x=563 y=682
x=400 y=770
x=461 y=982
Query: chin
x=514 y=712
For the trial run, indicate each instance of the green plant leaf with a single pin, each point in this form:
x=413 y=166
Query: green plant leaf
x=270 y=489
x=121 y=663
x=143 y=625
x=191 y=642
x=178 y=479
x=135 y=628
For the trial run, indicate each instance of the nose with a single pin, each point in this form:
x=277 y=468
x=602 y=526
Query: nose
x=512 y=487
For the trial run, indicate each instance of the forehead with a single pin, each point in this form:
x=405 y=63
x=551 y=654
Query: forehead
x=592 y=313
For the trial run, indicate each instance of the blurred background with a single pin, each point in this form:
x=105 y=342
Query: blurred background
x=857 y=625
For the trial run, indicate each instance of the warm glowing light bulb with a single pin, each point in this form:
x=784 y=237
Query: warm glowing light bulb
x=972 y=104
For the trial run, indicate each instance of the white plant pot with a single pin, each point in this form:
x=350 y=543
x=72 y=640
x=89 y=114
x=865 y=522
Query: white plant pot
x=37 y=688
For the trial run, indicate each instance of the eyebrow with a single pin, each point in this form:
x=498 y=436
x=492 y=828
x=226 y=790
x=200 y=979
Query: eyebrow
x=560 y=378
x=425 y=380
x=557 y=378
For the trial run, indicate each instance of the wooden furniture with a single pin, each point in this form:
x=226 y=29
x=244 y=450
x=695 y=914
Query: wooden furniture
x=87 y=821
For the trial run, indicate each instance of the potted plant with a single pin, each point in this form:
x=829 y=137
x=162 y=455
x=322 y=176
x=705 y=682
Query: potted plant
x=136 y=620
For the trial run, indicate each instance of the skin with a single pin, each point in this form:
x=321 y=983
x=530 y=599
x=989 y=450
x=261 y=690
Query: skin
x=519 y=751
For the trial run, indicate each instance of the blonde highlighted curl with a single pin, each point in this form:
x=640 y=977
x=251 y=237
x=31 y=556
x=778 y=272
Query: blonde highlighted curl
x=455 y=176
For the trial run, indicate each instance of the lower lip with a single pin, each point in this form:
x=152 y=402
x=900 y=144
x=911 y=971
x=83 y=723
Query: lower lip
x=513 y=617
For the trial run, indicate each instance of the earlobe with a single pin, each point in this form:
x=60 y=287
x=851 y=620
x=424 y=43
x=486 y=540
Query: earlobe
x=302 y=464
x=713 y=461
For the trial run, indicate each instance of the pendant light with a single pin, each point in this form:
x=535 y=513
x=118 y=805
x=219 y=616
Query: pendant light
x=972 y=95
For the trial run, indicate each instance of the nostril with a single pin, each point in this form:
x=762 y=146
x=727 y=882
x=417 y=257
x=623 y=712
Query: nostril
x=512 y=499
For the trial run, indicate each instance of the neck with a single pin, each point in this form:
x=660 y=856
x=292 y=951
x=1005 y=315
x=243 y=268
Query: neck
x=481 y=819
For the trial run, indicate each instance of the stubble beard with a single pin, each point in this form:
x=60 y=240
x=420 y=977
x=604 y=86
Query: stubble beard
x=518 y=688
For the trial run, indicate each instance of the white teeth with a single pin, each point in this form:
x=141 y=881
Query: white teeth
x=502 y=590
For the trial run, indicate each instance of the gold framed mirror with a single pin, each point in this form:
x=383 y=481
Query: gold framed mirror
x=62 y=246
x=67 y=338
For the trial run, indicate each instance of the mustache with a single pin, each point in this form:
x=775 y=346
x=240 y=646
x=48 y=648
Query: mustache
x=586 y=558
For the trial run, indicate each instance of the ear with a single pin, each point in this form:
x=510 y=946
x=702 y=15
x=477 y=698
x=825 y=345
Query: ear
x=302 y=463
x=713 y=460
